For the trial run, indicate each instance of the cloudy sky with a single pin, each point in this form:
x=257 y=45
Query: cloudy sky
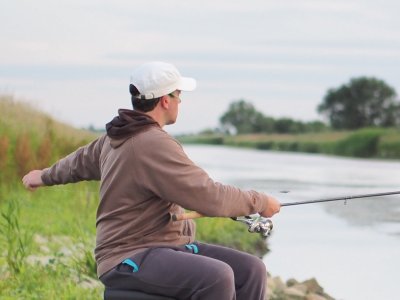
x=73 y=58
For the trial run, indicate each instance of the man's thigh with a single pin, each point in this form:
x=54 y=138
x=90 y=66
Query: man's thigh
x=167 y=271
x=239 y=261
x=249 y=271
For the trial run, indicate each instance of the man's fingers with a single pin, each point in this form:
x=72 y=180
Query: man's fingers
x=32 y=180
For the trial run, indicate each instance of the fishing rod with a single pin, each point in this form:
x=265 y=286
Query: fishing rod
x=345 y=198
x=264 y=226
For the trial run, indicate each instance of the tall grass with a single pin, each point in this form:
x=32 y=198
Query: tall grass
x=4 y=145
x=31 y=139
x=24 y=156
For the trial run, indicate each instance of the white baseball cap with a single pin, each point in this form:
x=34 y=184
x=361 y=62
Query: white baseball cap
x=156 y=79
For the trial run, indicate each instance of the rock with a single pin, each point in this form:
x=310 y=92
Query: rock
x=300 y=287
x=65 y=251
x=291 y=282
x=89 y=283
x=276 y=283
x=41 y=260
x=313 y=286
x=294 y=290
x=4 y=274
x=39 y=239
x=315 y=297
x=275 y=288
x=44 y=249
x=62 y=240
x=293 y=293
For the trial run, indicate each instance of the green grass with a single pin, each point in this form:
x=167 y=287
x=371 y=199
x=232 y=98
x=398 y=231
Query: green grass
x=53 y=281
x=56 y=226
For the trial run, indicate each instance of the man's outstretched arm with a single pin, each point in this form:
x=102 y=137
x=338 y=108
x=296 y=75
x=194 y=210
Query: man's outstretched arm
x=83 y=164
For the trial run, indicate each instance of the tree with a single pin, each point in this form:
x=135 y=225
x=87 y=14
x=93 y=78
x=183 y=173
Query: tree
x=242 y=117
x=287 y=125
x=364 y=101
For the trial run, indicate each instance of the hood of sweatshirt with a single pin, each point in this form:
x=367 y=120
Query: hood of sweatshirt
x=127 y=124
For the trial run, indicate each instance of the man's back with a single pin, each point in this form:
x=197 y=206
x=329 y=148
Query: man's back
x=131 y=216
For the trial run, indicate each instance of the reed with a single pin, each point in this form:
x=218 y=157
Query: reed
x=4 y=145
x=24 y=156
x=14 y=238
x=44 y=153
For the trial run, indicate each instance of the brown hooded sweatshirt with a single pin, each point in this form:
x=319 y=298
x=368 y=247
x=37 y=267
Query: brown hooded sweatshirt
x=145 y=176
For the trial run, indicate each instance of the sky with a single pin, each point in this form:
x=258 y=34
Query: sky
x=73 y=58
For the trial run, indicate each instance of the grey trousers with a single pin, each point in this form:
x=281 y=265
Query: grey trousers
x=195 y=271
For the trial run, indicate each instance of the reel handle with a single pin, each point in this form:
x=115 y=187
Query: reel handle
x=186 y=216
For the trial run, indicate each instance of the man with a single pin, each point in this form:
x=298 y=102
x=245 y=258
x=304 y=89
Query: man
x=145 y=177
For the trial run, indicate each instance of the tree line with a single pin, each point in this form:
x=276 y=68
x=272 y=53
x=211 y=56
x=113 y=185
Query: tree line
x=362 y=102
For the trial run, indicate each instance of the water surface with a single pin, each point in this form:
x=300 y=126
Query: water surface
x=351 y=248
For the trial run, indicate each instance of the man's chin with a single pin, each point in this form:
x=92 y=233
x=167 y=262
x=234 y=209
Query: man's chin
x=171 y=122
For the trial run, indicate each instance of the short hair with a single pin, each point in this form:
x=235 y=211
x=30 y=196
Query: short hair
x=144 y=105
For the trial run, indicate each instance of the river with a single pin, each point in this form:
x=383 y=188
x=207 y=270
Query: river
x=352 y=248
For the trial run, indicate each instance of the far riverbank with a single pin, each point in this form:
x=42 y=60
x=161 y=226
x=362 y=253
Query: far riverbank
x=364 y=143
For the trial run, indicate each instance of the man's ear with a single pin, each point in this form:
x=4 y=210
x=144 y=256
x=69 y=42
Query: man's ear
x=164 y=102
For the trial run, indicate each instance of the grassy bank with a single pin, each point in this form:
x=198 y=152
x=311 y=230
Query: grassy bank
x=366 y=142
x=47 y=237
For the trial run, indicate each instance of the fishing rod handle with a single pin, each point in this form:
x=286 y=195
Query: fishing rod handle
x=186 y=216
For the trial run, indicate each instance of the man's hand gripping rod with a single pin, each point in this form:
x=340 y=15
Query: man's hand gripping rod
x=255 y=223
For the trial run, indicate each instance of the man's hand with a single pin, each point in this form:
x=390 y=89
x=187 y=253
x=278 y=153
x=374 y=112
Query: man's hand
x=273 y=207
x=33 y=180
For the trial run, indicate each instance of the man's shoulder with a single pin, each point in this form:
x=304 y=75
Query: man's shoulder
x=153 y=132
x=156 y=137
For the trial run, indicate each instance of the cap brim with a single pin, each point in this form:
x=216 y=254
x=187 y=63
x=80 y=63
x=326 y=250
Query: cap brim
x=187 y=84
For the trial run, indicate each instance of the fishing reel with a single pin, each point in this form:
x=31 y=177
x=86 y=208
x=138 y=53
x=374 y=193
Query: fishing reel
x=256 y=224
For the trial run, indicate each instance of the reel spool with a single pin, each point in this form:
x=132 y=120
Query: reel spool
x=257 y=224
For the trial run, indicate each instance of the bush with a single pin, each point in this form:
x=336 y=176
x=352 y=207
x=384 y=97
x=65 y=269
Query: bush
x=265 y=145
x=309 y=147
x=362 y=143
x=211 y=139
x=389 y=146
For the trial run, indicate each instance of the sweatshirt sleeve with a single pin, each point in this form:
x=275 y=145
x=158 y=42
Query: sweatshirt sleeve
x=175 y=178
x=83 y=164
